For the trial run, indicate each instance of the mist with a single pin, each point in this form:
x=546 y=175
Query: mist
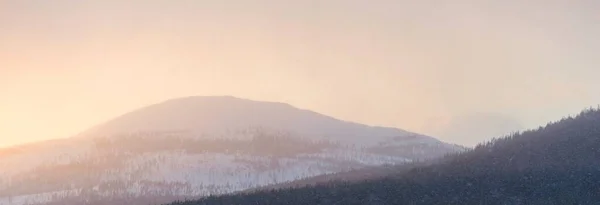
x=425 y=66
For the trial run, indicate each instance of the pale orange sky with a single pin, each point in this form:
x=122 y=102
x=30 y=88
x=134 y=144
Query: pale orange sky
x=66 y=65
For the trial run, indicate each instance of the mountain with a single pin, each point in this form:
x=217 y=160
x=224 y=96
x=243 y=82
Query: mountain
x=198 y=146
x=555 y=164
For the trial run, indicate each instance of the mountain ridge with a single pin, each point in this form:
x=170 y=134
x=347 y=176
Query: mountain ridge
x=197 y=108
x=197 y=146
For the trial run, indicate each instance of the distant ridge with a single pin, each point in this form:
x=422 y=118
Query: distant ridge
x=198 y=146
x=208 y=113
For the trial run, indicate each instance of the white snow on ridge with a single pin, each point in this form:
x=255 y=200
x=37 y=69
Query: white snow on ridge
x=197 y=146
x=209 y=173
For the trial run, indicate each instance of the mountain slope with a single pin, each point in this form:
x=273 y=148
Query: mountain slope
x=556 y=164
x=214 y=114
x=196 y=146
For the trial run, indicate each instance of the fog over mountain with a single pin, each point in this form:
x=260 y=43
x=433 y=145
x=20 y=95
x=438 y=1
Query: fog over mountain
x=195 y=146
x=474 y=128
x=66 y=65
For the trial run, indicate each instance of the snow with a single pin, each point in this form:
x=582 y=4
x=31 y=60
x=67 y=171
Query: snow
x=187 y=174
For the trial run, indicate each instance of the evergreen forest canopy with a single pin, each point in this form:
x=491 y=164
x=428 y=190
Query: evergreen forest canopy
x=555 y=164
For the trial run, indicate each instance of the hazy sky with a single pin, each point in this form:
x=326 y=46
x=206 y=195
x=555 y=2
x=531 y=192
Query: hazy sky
x=462 y=71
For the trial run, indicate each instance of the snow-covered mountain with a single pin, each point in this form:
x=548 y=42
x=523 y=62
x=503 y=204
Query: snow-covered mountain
x=196 y=146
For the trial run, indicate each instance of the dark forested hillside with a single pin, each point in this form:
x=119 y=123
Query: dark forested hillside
x=555 y=164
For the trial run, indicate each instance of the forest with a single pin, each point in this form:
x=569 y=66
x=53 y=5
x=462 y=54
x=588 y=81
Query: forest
x=554 y=164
